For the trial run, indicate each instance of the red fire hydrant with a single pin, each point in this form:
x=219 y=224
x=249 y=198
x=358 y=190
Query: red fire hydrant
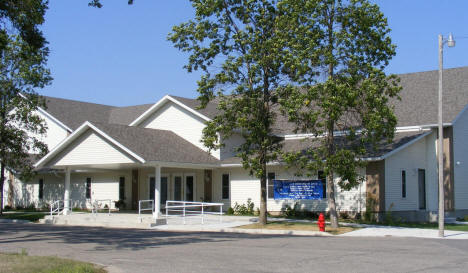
x=321 y=222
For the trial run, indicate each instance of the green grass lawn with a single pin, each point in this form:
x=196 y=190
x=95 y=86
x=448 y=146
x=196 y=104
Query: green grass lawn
x=30 y=216
x=14 y=262
x=431 y=226
x=307 y=226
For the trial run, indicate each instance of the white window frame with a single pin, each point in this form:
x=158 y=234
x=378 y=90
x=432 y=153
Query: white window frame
x=194 y=186
x=268 y=196
x=182 y=190
x=149 y=186
x=401 y=184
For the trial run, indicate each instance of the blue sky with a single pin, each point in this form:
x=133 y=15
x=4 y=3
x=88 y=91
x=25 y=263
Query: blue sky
x=119 y=55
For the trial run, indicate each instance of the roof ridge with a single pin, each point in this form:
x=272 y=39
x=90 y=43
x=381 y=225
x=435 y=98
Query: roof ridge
x=429 y=71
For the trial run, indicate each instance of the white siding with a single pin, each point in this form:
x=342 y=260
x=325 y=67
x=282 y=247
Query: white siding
x=90 y=148
x=460 y=158
x=174 y=118
x=230 y=144
x=409 y=159
x=55 y=133
x=244 y=186
x=104 y=185
x=432 y=188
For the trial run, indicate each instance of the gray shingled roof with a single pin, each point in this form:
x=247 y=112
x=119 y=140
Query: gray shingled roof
x=74 y=113
x=296 y=145
x=420 y=94
x=156 y=145
x=418 y=105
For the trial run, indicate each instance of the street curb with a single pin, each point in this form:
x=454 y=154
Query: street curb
x=18 y=221
x=255 y=231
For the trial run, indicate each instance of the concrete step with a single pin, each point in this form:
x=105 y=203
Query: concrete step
x=99 y=220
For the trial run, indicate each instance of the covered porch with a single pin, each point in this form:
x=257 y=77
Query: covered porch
x=110 y=163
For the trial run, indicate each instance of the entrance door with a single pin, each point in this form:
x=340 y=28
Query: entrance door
x=189 y=188
x=152 y=185
x=163 y=190
x=178 y=187
x=422 y=188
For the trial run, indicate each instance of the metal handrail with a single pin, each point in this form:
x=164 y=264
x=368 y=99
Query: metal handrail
x=97 y=203
x=143 y=209
x=60 y=206
x=181 y=206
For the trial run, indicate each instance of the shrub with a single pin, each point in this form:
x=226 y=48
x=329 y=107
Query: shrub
x=244 y=209
x=230 y=211
x=370 y=205
x=7 y=208
x=296 y=212
x=120 y=204
x=344 y=215
x=465 y=218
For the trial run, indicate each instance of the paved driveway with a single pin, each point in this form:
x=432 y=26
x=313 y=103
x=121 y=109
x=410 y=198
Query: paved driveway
x=132 y=250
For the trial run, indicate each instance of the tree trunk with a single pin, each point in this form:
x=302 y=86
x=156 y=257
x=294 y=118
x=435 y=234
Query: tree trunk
x=331 y=201
x=2 y=182
x=263 y=196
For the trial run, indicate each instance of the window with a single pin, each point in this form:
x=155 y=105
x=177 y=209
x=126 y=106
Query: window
x=270 y=186
x=41 y=188
x=88 y=188
x=403 y=183
x=321 y=176
x=225 y=186
x=122 y=188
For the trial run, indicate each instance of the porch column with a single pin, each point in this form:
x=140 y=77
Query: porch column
x=66 y=198
x=157 y=192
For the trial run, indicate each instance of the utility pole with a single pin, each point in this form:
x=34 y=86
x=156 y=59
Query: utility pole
x=440 y=144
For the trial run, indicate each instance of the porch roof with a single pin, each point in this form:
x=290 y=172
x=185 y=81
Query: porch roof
x=144 y=145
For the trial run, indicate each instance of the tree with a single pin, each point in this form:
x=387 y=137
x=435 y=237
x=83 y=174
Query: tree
x=23 y=54
x=344 y=48
x=235 y=44
x=98 y=4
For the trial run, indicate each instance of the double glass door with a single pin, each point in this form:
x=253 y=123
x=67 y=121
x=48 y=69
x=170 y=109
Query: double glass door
x=164 y=189
x=184 y=187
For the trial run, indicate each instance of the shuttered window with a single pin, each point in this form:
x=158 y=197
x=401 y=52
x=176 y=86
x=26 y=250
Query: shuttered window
x=41 y=188
x=403 y=183
x=225 y=182
x=88 y=188
x=122 y=188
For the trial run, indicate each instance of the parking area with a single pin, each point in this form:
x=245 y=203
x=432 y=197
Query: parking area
x=138 y=250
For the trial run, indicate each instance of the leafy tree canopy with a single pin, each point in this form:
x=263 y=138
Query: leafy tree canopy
x=23 y=55
x=338 y=50
x=235 y=44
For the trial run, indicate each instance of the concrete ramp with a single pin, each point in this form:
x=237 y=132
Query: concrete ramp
x=118 y=220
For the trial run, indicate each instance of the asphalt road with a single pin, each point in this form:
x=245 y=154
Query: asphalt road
x=133 y=250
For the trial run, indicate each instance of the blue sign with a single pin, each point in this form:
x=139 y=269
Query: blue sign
x=298 y=189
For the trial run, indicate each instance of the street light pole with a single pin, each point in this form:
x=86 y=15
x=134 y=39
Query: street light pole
x=440 y=146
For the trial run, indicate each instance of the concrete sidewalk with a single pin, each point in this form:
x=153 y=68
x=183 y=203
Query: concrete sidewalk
x=387 y=231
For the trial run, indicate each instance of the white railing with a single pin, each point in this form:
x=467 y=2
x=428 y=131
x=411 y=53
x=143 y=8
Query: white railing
x=98 y=205
x=187 y=209
x=145 y=208
x=58 y=206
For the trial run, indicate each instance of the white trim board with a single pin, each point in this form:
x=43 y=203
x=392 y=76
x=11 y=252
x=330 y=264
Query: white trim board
x=159 y=104
x=85 y=126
